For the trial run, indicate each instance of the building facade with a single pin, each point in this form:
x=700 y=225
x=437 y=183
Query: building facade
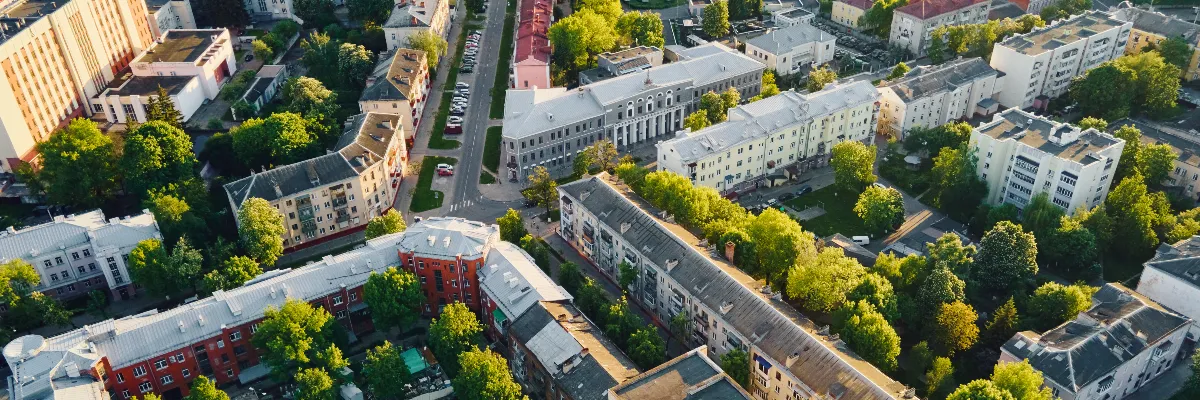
x=1186 y=173
x=1172 y=279
x=55 y=56
x=1021 y=154
x=412 y=16
x=929 y=96
x=399 y=85
x=849 y=12
x=913 y=24
x=1151 y=28
x=729 y=310
x=767 y=136
x=338 y=193
x=76 y=254
x=165 y=15
x=264 y=10
x=691 y=372
x=1120 y=344
x=447 y=254
x=1040 y=65
x=793 y=49
x=547 y=127
x=509 y=285
x=531 y=54
x=267 y=83
x=792 y=16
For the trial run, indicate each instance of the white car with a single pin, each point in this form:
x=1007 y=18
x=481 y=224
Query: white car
x=454 y=120
x=462 y=85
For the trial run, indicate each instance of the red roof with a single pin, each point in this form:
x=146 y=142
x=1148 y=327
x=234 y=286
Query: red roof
x=932 y=8
x=532 y=42
x=860 y=4
x=535 y=47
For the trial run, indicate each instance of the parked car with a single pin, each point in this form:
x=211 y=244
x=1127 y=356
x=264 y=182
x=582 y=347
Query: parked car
x=786 y=197
x=445 y=169
x=459 y=111
x=452 y=129
x=772 y=202
x=454 y=120
x=861 y=240
x=462 y=85
x=804 y=190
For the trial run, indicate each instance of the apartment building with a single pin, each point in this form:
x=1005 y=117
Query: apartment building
x=766 y=137
x=191 y=64
x=165 y=15
x=913 y=24
x=790 y=356
x=792 y=49
x=412 y=16
x=54 y=56
x=335 y=194
x=75 y=254
x=162 y=351
x=400 y=84
x=267 y=83
x=447 y=254
x=558 y=353
x=1151 y=28
x=510 y=283
x=1172 y=278
x=1186 y=174
x=849 y=12
x=1120 y=344
x=531 y=55
x=1022 y=154
x=271 y=10
x=930 y=96
x=692 y=373
x=623 y=62
x=792 y=16
x=547 y=127
x=1040 y=65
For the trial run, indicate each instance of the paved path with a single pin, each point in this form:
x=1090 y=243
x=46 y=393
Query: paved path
x=1165 y=386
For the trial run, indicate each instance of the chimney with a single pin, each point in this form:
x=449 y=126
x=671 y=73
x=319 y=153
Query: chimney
x=729 y=250
x=792 y=359
x=625 y=227
x=671 y=264
x=387 y=124
x=725 y=307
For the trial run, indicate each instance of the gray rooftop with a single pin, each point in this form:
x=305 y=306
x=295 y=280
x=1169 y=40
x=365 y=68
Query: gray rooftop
x=449 y=238
x=394 y=77
x=926 y=80
x=532 y=111
x=1156 y=22
x=582 y=362
x=1051 y=37
x=181 y=45
x=1119 y=326
x=1181 y=260
x=751 y=121
x=148 y=85
x=66 y=232
x=777 y=329
x=514 y=282
x=20 y=14
x=1045 y=135
x=1187 y=146
x=783 y=40
x=691 y=376
x=794 y=12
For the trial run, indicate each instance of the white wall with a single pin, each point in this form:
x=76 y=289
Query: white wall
x=1170 y=291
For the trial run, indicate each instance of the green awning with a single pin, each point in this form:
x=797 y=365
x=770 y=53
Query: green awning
x=414 y=361
x=499 y=316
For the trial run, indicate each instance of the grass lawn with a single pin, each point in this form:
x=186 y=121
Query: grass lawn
x=653 y=4
x=506 y=51
x=491 y=149
x=486 y=178
x=839 y=212
x=424 y=198
x=436 y=139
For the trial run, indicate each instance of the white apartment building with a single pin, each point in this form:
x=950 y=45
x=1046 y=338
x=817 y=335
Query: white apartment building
x=338 y=193
x=930 y=96
x=1022 y=154
x=76 y=254
x=765 y=137
x=790 y=357
x=56 y=55
x=547 y=127
x=1120 y=344
x=400 y=85
x=170 y=14
x=913 y=24
x=191 y=64
x=1172 y=277
x=270 y=10
x=792 y=49
x=1039 y=65
x=412 y=16
x=792 y=16
x=1186 y=174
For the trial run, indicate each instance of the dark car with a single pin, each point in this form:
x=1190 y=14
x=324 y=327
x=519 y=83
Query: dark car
x=786 y=196
x=804 y=190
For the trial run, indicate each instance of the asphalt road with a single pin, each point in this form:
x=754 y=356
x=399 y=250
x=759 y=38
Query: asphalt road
x=470 y=158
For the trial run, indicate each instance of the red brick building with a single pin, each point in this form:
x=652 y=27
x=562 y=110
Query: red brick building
x=446 y=255
x=509 y=285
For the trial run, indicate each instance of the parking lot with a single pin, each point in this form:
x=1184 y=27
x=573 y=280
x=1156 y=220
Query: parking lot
x=858 y=52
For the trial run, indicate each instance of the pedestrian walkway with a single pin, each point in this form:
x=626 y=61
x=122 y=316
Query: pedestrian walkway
x=502 y=190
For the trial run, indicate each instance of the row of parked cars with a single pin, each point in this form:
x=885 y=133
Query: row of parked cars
x=458 y=108
x=472 y=50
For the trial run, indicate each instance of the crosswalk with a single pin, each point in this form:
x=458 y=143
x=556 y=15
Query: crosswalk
x=465 y=203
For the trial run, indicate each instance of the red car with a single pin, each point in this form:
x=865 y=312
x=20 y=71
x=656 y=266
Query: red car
x=445 y=169
x=453 y=129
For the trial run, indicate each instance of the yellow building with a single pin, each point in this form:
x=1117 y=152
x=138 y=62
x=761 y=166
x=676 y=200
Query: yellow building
x=1151 y=27
x=847 y=12
x=54 y=55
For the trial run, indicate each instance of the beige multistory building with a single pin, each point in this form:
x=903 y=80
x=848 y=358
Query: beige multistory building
x=913 y=24
x=53 y=56
x=332 y=195
x=848 y=12
x=1150 y=28
x=399 y=85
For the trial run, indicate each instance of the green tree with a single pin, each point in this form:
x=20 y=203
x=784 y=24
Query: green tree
x=1175 y=51
x=823 y=285
x=1156 y=81
x=79 y=165
x=627 y=276
x=35 y=310
x=17 y=280
x=431 y=43
x=867 y=332
x=941 y=287
x=878 y=19
x=603 y=154
x=1007 y=258
x=640 y=28
x=395 y=298
x=1003 y=325
x=454 y=332
x=1128 y=163
x=818 y=78
x=697 y=120
x=1054 y=303
x=950 y=253
x=730 y=99
x=937 y=50
x=980 y=389
x=1106 y=91
x=1072 y=248
x=779 y=243
x=484 y=376
x=97 y=304
x=260 y=227
x=162 y=108
x=203 y=388
x=314 y=384
x=609 y=9
x=235 y=272
x=881 y=209
x=769 y=87
x=955 y=186
x=581 y=163
x=355 y=63
x=388 y=223
x=714 y=105
x=1156 y=161
x=385 y=371
x=592 y=300
x=161 y=273
x=954 y=328
x=320 y=56
x=1133 y=225
x=1021 y=381
x=646 y=348
x=715 y=20
x=898 y=71
x=376 y=11
x=289 y=337
x=939 y=380
x=319 y=107
x=1041 y=217
x=281 y=138
x=543 y=190
x=621 y=322
x=570 y=277
x=578 y=38
x=736 y=363
x=512 y=226
x=156 y=154
x=1093 y=123
x=852 y=166
x=680 y=326
x=536 y=249
x=876 y=290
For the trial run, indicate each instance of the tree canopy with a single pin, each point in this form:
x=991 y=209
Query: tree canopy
x=512 y=226
x=431 y=43
x=853 y=164
x=79 y=165
x=203 y=388
x=715 y=20
x=1054 y=303
x=640 y=28
x=867 y=332
x=484 y=376
x=1007 y=258
x=156 y=154
x=385 y=371
x=646 y=348
x=260 y=227
x=388 y=223
x=954 y=328
x=163 y=273
x=453 y=333
x=823 y=285
x=881 y=209
x=290 y=337
x=395 y=298
x=819 y=77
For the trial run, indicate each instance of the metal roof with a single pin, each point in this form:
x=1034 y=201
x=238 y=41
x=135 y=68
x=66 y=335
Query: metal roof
x=449 y=238
x=1049 y=136
x=1061 y=33
x=927 y=80
x=512 y=280
x=779 y=41
x=691 y=376
x=572 y=349
x=66 y=232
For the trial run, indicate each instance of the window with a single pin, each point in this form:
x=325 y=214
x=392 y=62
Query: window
x=125 y=394
x=87 y=253
x=353 y=296
x=239 y=350
x=138 y=371
x=337 y=300
x=235 y=336
x=120 y=378
x=253 y=328
x=186 y=373
x=342 y=314
x=229 y=372
x=48 y=263
x=160 y=364
x=166 y=379
x=58 y=260
x=145 y=387
x=75 y=256
x=220 y=344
